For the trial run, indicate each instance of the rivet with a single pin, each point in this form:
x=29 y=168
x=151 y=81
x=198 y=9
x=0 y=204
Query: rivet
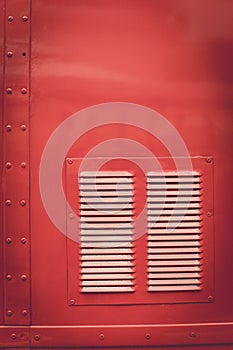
x=13 y=336
x=23 y=91
x=24 y=313
x=208 y=160
x=23 y=202
x=9 y=90
x=10 y=18
x=23 y=165
x=24 y=18
x=9 y=277
x=8 y=127
x=70 y=161
x=24 y=278
x=23 y=240
x=37 y=337
x=71 y=215
x=9 y=53
x=148 y=335
x=209 y=214
x=8 y=202
x=8 y=165
x=9 y=313
x=8 y=240
x=72 y=301
x=192 y=334
x=101 y=336
x=23 y=127
x=210 y=299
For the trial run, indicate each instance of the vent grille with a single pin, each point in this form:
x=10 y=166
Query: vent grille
x=106 y=230
x=174 y=206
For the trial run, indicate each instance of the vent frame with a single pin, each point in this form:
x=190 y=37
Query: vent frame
x=141 y=295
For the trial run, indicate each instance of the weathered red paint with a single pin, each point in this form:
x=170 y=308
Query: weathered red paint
x=174 y=57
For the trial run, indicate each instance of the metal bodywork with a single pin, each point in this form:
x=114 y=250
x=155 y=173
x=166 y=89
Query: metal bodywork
x=59 y=57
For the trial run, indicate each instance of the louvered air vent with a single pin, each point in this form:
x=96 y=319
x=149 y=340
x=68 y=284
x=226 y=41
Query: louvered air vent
x=174 y=231
x=106 y=214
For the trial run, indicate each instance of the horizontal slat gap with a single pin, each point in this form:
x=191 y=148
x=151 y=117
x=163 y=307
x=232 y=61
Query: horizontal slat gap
x=106 y=289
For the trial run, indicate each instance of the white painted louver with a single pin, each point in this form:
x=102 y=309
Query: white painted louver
x=174 y=231
x=106 y=231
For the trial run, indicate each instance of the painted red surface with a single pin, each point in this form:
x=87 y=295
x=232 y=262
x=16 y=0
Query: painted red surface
x=174 y=57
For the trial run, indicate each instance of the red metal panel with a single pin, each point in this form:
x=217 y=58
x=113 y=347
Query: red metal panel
x=140 y=335
x=1 y=160
x=16 y=163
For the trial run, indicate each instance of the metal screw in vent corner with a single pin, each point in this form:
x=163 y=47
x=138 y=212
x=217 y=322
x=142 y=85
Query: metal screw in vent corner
x=148 y=336
x=37 y=337
x=101 y=336
x=192 y=334
x=13 y=336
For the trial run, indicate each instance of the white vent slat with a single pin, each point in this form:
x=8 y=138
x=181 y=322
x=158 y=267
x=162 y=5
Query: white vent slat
x=107 y=263
x=177 y=230
x=174 y=203
x=176 y=200
x=182 y=243
x=174 y=263
x=106 y=223
x=167 y=186
x=110 y=289
x=107 y=219
x=175 y=218
x=105 y=214
x=100 y=232
x=106 y=239
x=105 y=270
x=105 y=174
x=173 y=275
x=172 y=211
x=175 y=288
x=105 y=257
x=107 y=251
x=112 y=196
x=99 y=180
x=174 y=237
x=165 y=250
x=93 y=283
x=107 y=276
x=108 y=206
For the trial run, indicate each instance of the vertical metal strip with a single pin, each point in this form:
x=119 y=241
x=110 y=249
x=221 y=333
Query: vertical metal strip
x=16 y=163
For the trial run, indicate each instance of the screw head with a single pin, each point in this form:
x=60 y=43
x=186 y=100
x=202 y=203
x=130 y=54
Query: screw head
x=208 y=160
x=24 y=91
x=9 y=53
x=10 y=18
x=209 y=214
x=8 y=240
x=8 y=165
x=210 y=299
x=23 y=127
x=24 y=18
x=24 y=313
x=70 y=161
x=37 y=337
x=23 y=240
x=72 y=301
x=9 y=91
x=24 y=278
x=13 y=336
x=101 y=336
x=23 y=165
x=8 y=127
x=9 y=313
x=148 y=336
x=9 y=277
x=8 y=202
x=23 y=202
x=192 y=334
